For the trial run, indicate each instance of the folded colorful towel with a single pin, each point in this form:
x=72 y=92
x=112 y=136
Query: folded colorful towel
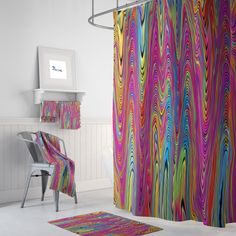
x=49 y=111
x=63 y=177
x=70 y=115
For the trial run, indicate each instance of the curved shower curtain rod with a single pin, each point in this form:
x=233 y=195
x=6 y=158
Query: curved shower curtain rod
x=117 y=8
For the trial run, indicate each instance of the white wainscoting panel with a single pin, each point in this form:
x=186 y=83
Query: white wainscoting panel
x=85 y=146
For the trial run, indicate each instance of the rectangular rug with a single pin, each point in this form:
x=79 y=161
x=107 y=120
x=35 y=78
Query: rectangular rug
x=103 y=223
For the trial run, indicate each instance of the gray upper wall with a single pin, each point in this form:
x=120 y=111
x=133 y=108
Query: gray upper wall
x=26 y=24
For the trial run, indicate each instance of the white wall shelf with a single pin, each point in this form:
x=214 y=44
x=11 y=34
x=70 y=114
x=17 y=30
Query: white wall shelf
x=41 y=95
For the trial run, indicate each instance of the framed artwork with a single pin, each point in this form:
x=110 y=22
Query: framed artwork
x=57 y=68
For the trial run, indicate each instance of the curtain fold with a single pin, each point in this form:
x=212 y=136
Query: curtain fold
x=174 y=110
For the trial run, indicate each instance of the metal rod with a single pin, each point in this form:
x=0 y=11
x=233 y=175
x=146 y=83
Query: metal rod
x=118 y=8
x=93 y=10
x=117 y=4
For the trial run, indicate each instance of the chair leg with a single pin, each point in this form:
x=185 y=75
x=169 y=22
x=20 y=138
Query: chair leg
x=26 y=188
x=76 y=201
x=56 y=199
x=44 y=183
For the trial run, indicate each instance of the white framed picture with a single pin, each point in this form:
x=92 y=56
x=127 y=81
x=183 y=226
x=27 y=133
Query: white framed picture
x=57 y=68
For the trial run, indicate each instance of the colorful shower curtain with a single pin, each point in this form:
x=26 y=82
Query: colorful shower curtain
x=174 y=110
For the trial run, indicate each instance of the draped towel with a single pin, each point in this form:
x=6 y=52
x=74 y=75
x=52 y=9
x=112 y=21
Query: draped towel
x=70 y=115
x=62 y=178
x=49 y=111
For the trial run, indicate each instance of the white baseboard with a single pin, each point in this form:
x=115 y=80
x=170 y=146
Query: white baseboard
x=96 y=184
x=35 y=192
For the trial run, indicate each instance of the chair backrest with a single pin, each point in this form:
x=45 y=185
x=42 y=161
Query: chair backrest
x=34 y=149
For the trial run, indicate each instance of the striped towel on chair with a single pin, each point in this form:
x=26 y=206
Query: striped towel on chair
x=63 y=177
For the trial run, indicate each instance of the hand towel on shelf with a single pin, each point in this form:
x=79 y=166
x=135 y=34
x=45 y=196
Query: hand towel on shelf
x=49 y=111
x=70 y=115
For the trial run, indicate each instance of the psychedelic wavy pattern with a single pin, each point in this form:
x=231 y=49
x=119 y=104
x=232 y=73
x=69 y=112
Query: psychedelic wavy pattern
x=48 y=111
x=103 y=223
x=174 y=110
x=70 y=115
x=64 y=169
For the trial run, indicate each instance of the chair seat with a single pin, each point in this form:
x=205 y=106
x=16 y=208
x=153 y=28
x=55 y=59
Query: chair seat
x=42 y=166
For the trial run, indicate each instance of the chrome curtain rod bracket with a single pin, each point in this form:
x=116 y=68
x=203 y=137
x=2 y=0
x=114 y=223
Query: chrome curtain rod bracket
x=91 y=19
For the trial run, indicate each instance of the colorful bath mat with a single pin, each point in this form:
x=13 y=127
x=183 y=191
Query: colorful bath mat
x=103 y=223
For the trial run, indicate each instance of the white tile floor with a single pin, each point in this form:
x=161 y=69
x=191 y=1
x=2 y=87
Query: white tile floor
x=32 y=220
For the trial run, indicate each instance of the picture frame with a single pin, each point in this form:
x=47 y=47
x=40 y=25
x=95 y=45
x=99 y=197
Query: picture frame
x=57 y=70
